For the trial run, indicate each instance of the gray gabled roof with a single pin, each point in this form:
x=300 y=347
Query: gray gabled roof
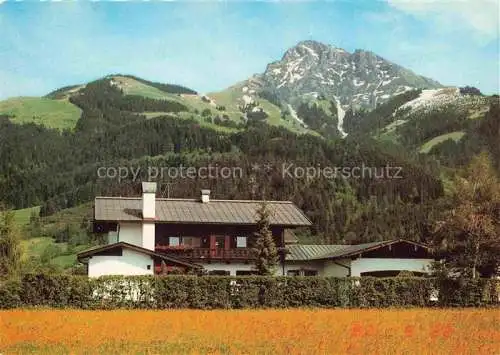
x=175 y=260
x=334 y=251
x=311 y=251
x=283 y=213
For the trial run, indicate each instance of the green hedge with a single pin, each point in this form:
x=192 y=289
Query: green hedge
x=214 y=292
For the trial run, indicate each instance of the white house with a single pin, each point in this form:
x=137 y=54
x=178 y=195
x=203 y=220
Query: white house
x=148 y=235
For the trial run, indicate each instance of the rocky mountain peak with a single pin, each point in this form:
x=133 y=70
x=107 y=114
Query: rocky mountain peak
x=361 y=79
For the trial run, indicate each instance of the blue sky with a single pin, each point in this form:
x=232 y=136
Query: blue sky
x=211 y=45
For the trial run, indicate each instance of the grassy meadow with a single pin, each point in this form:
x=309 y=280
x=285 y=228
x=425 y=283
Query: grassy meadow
x=22 y=217
x=298 y=331
x=456 y=136
x=60 y=114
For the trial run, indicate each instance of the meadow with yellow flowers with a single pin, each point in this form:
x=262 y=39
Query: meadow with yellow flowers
x=295 y=331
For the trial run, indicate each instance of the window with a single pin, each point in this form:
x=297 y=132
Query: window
x=186 y=241
x=302 y=272
x=310 y=272
x=241 y=242
x=112 y=237
x=148 y=267
x=220 y=241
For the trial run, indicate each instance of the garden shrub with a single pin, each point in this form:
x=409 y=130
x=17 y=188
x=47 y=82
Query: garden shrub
x=226 y=292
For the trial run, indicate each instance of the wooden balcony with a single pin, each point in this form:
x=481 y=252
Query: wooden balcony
x=206 y=253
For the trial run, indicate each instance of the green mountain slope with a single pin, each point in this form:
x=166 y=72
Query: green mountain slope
x=444 y=123
x=60 y=114
x=224 y=111
x=455 y=136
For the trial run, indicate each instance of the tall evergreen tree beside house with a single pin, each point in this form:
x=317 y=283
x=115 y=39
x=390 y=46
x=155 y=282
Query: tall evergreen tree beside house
x=265 y=248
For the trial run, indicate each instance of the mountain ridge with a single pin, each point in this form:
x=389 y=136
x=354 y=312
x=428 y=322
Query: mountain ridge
x=313 y=88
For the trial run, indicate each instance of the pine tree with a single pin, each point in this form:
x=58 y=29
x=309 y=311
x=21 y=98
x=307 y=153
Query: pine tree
x=10 y=245
x=265 y=248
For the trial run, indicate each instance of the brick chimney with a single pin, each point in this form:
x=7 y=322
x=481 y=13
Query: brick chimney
x=205 y=196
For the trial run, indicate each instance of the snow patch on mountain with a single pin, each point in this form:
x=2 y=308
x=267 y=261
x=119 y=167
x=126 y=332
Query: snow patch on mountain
x=311 y=52
x=358 y=83
x=340 y=117
x=247 y=100
x=432 y=98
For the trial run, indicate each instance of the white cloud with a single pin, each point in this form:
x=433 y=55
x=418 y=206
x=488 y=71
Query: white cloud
x=480 y=16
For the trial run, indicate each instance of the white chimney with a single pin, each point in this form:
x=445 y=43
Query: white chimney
x=148 y=214
x=148 y=200
x=205 y=196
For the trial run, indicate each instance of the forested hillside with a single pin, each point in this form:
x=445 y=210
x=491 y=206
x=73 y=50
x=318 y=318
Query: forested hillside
x=451 y=132
x=57 y=170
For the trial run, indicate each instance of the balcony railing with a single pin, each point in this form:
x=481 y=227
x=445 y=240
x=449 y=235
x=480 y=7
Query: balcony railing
x=206 y=253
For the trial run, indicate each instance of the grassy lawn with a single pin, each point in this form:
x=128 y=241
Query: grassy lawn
x=60 y=114
x=133 y=87
x=22 y=217
x=35 y=247
x=66 y=261
x=296 y=331
x=187 y=115
x=427 y=146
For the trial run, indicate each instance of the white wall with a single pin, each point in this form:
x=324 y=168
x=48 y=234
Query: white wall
x=130 y=263
x=334 y=270
x=232 y=268
x=131 y=233
x=388 y=264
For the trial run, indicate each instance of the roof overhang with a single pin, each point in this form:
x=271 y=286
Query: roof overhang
x=157 y=221
x=351 y=251
x=84 y=255
x=383 y=245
